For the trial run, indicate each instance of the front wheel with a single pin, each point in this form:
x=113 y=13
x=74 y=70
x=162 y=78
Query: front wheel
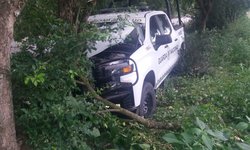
x=148 y=101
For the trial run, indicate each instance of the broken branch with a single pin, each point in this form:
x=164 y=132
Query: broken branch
x=148 y=123
x=108 y=110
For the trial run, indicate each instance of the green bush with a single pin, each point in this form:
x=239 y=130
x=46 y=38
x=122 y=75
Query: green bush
x=215 y=89
x=50 y=108
x=38 y=18
x=219 y=48
x=221 y=91
x=203 y=137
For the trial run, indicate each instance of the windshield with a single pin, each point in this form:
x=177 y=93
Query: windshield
x=136 y=37
x=134 y=33
x=130 y=34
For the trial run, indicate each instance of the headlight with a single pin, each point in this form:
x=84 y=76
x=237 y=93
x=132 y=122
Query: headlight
x=127 y=69
x=120 y=68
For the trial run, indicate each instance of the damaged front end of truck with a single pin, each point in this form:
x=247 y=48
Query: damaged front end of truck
x=112 y=61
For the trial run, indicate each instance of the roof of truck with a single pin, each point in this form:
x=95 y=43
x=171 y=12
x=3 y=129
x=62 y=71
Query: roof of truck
x=138 y=17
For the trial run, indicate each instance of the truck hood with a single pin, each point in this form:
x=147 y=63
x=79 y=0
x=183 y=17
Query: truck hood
x=112 y=21
x=117 y=35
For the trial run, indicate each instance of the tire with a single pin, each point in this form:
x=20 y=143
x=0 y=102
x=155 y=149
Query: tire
x=148 y=101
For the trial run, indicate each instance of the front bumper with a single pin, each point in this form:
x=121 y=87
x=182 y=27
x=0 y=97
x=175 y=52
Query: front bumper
x=118 y=93
x=115 y=90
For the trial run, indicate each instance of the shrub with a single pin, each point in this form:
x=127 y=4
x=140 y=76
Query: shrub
x=203 y=137
x=216 y=90
x=50 y=108
x=225 y=48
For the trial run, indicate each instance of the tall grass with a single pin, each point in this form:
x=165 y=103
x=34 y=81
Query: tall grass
x=227 y=47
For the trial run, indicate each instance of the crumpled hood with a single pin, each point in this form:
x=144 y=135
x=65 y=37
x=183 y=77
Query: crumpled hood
x=115 y=37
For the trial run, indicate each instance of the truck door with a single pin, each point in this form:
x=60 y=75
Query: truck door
x=166 y=54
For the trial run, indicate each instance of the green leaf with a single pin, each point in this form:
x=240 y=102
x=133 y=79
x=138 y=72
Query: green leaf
x=40 y=76
x=35 y=83
x=242 y=126
x=24 y=110
x=171 y=138
x=32 y=79
x=200 y=123
x=197 y=131
x=42 y=80
x=60 y=125
x=209 y=131
x=95 y=132
x=217 y=134
x=248 y=119
x=188 y=138
x=26 y=81
x=207 y=141
x=144 y=146
x=243 y=146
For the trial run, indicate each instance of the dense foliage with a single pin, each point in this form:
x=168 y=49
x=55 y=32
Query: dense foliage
x=38 y=18
x=226 y=11
x=215 y=91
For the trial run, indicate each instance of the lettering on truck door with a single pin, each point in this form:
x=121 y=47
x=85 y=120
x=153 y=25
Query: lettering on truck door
x=159 y=25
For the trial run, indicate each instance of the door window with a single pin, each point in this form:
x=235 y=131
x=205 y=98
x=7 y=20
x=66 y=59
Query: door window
x=154 y=29
x=159 y=25
x=163 y=24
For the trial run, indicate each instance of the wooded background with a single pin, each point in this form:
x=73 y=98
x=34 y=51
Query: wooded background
x=48 y=116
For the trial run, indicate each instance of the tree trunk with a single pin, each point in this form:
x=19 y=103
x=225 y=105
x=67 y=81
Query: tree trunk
x=75 y=11
x=7 y=125
x=203 y=24
x=205 y=7
x=67 y=10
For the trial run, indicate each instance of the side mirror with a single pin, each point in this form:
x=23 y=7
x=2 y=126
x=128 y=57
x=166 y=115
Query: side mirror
x=162 y=39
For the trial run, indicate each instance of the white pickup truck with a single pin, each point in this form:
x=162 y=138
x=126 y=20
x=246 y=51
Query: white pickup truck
x=142 y=49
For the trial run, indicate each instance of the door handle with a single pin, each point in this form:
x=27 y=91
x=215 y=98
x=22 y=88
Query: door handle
x=176 y=39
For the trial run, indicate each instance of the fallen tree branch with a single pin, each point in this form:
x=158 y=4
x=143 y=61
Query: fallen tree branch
x=148 y=123
x=108 y=110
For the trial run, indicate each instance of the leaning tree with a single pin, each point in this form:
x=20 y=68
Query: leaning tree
x=9 y=9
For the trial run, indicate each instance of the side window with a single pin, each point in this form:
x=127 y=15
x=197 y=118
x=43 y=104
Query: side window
x=159 y=25
x=164 y=25
x=154 y=29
